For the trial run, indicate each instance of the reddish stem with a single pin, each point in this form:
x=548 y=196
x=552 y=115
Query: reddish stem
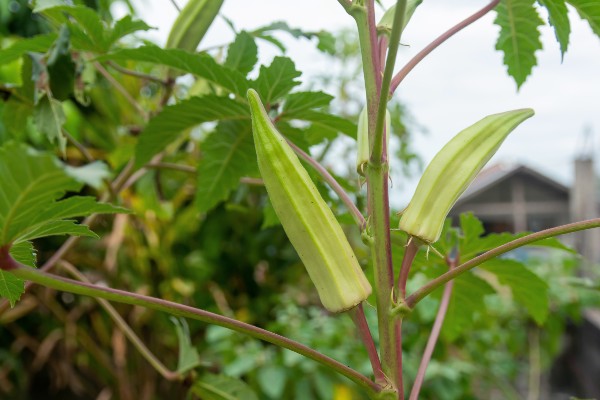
x=409 y=256
x=358 y=317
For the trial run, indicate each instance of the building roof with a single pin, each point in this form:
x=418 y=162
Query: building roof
x=499 y=172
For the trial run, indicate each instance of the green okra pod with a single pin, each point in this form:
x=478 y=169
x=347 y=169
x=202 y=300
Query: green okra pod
x=452 y=170
x=192 y=23
x=307 y=220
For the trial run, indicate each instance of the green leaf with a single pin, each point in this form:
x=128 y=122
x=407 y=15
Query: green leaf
x=298 y=102
x=221 y=387
x=11 y=287
x=166 y=126
x=49 y=119
x=124 y=27
x=93 y=174
x=36 y=44
x=276 y=80
x=589 y=10
x=558 y=17
x=270 y=218
x=466 y=302
x=87 y=29
x=519 y=37
x=242 y=54
x=527 y=288
x=324 y=125
x=228 y=155
x=201 y=65
x=272 y=379
x=188 y=354
x=60 y=66
x=24 y=253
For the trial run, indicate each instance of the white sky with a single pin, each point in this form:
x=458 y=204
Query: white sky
x=458 y=84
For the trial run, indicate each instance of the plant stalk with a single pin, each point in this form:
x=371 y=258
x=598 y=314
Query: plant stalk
x=358 y=317
x=432 y=285
x=121 y=296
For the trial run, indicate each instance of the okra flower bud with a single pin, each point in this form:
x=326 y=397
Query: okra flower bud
x=453 y=169
x=307 y=220
x=362 y=137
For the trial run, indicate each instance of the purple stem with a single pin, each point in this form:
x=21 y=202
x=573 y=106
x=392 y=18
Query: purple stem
x=377 y=64
x=358 y=317
x=407 y=260
x=433 y=45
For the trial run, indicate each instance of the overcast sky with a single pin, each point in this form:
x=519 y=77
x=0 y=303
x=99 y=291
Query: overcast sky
x=461 y=82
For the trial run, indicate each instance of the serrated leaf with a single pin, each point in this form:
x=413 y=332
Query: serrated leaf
x=188 y=354
x=49 y=118
x=324 y=125
x=24 y=253
x=124 y=27
x=589 y=10
x=527 y=288
x=201 y=65
x=228 y=155
x=466 y=302
x=86 y=26
x=11 y=287
x=296 y=103
x=242 y=54
x=558 y=17
x=519 y=37
x=36 y=44
x=166 y=126
x=221 y=387
x=276 y=80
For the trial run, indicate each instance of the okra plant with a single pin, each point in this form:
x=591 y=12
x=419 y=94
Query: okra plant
x=95 y=122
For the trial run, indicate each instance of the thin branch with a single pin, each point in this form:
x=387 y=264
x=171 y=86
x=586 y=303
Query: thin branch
x=433 y=337
x=176 y=6
x=430 y=286
x=358 y=317
x=441 y=39
x=137 y=74
x=377 y=66
x=252 y=181
x=121 y=296
x=84 y=152
x=358 y=217
x=172 y=166
x=121 y=90
x=124 y=326
x=409 y=256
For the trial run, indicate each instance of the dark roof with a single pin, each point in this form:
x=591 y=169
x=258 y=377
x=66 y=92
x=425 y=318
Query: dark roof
x=499 y=172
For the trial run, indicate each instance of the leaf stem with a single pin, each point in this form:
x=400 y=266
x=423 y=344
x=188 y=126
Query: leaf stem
x=124 y=326
x=438 y=41
x=358 y=317
x=137 y=74
x=121 y=296
x=433 y=336
x=121 y=90
x=409 y=255
x=432 y=285
x=337 y=188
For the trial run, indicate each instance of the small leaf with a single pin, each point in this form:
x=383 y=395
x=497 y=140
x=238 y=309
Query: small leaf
x=276 y=80
x=92 y=174
x=228 y=156
x=324 y=125
x=466 y=302
x=527 y=288
x=221 y=387
x=558 y=17
x=242 y=54
x=589 y=10
x=298 y=102
x=11 y=287
x=188 y=354
x=86 y=27
x=124 y=27
x=201 y=65
x=49 y=119
x=60 y=66
x=36 y=44
x=519 y=37
x=173 y=120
